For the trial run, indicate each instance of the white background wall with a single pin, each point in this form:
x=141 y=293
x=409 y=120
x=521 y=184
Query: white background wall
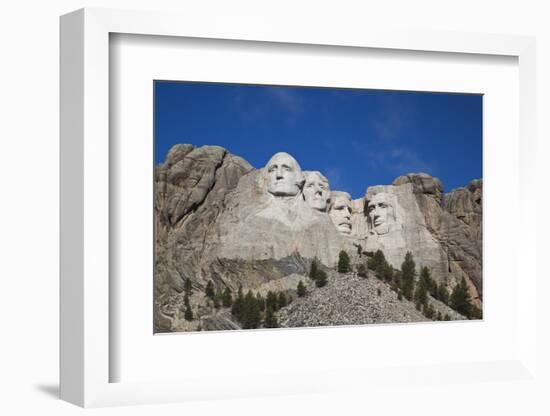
x=29 y=202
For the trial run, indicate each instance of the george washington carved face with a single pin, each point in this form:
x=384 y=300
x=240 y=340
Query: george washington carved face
x=284 y=176
x=316 y=190
x=340 y=211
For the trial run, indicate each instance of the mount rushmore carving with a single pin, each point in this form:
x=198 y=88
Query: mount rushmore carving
x=218 y=218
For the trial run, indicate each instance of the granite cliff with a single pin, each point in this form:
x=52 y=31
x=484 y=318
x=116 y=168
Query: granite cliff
x=219 y=220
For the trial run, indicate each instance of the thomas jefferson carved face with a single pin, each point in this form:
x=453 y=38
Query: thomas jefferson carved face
x=316 y=190
x=284 y=176
x=340 y=211
x=381 y=213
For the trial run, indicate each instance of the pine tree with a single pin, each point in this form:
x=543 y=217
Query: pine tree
x=387 y=272
x=460 y=299
x=421 y=291
x=313 y=270
x=442 y=293
x=381 y=267
x=378 y=292
x=407 y=276
x=271 y=301
x=187 y=285
x=446 y=317
x=188 y=313
x=186 y=299
x=439 y=316
x=238 y=305
x=251 y=312
x=429 y=311
x=261 y=301
x=429 y=283
x=301 y=289
x=343 y=262
x=397 y=279
x=209 y=291
x=372 y=264
x=399 y=295
x=281 y=301
x=376 y=261
x=270 y=320
x=362 y=270
x=321 y=278
x=226 y=297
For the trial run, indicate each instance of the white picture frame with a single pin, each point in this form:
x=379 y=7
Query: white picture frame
x=85 y=355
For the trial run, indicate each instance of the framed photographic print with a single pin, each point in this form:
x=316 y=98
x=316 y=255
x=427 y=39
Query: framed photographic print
x=242 y=245
x=281 y=206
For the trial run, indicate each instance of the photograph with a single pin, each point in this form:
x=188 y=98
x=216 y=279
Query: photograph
x=279 y=206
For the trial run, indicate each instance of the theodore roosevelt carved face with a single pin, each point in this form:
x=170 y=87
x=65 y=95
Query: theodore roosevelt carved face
x=340 y=211
x=381 y=213
x=284 y=176
x=316 y=190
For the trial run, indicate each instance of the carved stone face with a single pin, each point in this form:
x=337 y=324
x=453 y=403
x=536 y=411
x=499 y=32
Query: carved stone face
x=316 y=190
x=340 y=212
x=284 y=176
x=381 y=213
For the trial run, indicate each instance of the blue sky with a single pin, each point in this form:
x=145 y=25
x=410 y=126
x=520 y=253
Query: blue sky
x=357 y=138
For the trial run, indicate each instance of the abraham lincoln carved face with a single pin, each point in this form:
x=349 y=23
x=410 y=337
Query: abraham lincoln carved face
x=381 y=213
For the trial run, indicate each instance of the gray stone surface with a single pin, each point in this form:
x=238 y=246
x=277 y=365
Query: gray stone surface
x=407 y=230
x=466 y=204
x=429 y=225
x=351 y=300
x=189 y=196
x=340 y=212
x=423 y=184
x=316 y=190
x=283 y=175
x=219 y=219
x=259 y=225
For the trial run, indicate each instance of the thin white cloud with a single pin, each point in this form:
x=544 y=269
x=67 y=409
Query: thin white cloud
x=389 y=118
x=392 y=159
x=407 y=160
x=289 y=100
x=388 y=126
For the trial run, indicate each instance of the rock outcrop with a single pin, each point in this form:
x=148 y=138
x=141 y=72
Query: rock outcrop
x=257 y=225
x=406 y=228
x=443 y=232
x=466 y=205
x=219 y=219
x=190 y=191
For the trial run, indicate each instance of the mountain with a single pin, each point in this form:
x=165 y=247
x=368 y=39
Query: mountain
x=219 y=220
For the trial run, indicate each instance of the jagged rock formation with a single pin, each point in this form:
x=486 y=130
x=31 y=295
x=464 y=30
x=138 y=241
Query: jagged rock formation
x=420 y=219
x=462 y=232
x=219 y=219
x=191 y=187
x=404 y=229
x=423 y=184
x=466 y=205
